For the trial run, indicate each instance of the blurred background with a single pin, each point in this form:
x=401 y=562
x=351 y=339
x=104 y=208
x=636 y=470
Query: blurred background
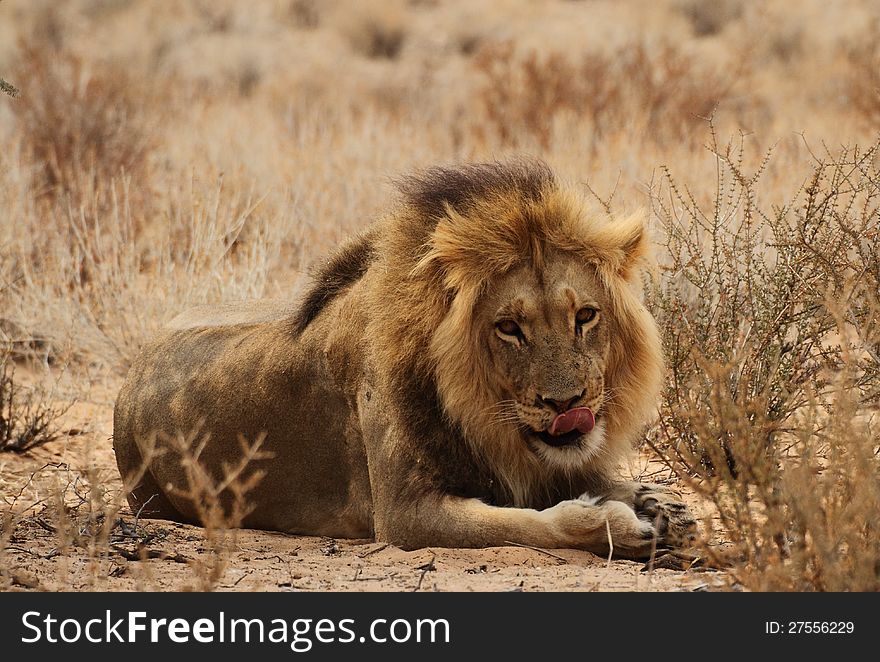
x=165 y=153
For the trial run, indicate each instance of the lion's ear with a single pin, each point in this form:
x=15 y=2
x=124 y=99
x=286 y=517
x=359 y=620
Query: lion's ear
x=637 y=248
x=630 y=244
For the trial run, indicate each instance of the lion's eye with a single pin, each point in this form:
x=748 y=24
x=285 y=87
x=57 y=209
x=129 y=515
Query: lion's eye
x=509 y=328
x=586 y=315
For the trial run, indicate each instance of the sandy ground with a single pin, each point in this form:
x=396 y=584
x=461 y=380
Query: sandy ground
x=44 y=551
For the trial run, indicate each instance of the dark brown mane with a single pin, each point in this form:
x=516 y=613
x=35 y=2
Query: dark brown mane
x=341 y=269
x=459 y=186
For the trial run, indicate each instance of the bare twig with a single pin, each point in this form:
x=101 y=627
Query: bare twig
x=375 y=550
x=536 y=549
x=426 y=568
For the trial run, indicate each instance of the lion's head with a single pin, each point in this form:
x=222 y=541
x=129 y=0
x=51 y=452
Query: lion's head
x=520 y=305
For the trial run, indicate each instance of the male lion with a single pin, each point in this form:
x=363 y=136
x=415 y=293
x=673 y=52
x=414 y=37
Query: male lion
x=469 y=372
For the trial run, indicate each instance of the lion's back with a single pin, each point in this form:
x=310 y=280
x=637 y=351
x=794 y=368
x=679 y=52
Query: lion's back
x=232 y=314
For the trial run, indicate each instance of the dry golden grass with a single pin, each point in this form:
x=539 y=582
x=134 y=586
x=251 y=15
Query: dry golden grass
x=656 y=92
x=164 y=154
x=81 y=126
x=864 y=78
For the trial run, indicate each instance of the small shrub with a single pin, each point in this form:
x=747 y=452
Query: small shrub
x=864 y=78
x=8 y=88
x=84 y=510
x=27 y=420
x=769 y=321
x=221 y=502
x=708 y=17
x=374 y=30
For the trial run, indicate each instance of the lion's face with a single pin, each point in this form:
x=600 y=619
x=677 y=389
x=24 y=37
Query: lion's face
x=546 y=332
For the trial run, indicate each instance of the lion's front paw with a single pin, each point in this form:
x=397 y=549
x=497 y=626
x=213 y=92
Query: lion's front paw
x=630 y=535
x=676 y=526
x=612 y=525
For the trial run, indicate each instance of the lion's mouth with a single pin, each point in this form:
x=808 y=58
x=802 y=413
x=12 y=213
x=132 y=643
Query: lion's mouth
x=581 y=419
x=559 y=440
x=578 y=429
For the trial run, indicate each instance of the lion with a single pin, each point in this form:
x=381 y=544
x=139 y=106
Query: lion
x=471 y=371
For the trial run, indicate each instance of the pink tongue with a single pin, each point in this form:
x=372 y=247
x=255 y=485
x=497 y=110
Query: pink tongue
x=579 y=418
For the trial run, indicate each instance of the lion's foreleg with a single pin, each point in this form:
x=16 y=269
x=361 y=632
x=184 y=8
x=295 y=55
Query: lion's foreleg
x=457 y=522
x=412 y=509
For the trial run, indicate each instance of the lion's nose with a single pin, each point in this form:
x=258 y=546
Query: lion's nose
x=562 y=404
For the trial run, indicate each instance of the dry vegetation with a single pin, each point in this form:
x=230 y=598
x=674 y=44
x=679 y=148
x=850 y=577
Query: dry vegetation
x=770 y=326
x=28 y=418
x=650 y=90
x=208 y=151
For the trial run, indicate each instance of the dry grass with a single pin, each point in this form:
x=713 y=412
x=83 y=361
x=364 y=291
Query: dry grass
x=80 y=124
x=86 y=516
x=658 y=93
x=165 y=154
x=864 y=79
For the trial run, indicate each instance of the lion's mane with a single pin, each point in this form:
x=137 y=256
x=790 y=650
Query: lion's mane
x=455 y=230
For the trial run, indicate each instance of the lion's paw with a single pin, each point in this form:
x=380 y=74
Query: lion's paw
x=630 y=535
x=598 y=528
x=662 y=505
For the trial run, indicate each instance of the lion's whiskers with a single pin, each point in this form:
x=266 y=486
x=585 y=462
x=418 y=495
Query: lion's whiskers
x=502 y=405
x=501 y=413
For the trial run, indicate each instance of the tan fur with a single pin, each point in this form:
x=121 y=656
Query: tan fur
x=390 y=402
x=231 y=314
